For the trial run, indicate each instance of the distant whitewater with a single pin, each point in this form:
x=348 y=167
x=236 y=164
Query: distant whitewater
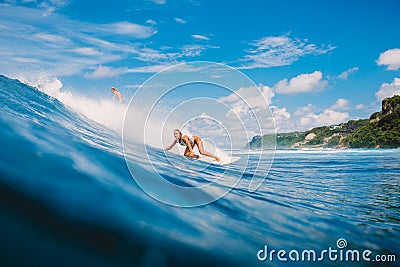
x=68 y=199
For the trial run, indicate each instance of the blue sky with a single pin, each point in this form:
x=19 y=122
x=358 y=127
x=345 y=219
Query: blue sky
x=321 y=62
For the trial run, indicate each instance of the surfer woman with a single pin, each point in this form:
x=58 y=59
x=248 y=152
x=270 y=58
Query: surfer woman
x=116 y=94
x=190 y=142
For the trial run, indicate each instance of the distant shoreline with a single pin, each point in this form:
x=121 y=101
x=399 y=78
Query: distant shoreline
x=381 y=130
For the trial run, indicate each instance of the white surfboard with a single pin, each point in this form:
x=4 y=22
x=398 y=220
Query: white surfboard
x=225 y=160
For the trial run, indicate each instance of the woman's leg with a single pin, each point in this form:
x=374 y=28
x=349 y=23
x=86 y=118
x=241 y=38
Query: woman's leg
x=199 y=144
x=187 y=153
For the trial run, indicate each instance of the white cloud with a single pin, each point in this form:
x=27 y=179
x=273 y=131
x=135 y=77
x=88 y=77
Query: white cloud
x=180 y=20
x=360 y=106
x=345 y=74
x=50 y=38
x=87 y=51
x=133 y=86
x=151 y=22
x=107 y=72
x=388 y=89
x=104 y=72
x=128 y=28
x=186 y=51
x=165 y=47
x=341 y=104
x=307 y=119
x=201 y=37
x=303 y=83
x=47 y=7
x=151 y=55
x=256 y=96
x=282 y=119
x=249 y=113
x=162 y=61
x=274 y=51
x=272 y=116
x=57 y=3
x=193 y=50
x=25 y=60
x=49 y=50
x=390 y=58
x=149 y=69
x=159 y=2
x=280 y=113
x=211 y=132
x=70 y=47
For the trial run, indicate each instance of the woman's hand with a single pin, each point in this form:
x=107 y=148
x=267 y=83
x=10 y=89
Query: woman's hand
x=192 y=155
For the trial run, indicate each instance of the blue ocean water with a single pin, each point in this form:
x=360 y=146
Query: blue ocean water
x=68 y=199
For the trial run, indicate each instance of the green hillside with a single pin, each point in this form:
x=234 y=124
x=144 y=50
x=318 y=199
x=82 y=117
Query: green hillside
x=382 y=129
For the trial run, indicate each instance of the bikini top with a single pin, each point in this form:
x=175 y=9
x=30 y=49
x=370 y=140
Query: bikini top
x=183 y=143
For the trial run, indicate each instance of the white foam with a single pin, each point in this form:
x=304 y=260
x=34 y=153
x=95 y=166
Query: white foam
x=105 y=111
x=111 y=114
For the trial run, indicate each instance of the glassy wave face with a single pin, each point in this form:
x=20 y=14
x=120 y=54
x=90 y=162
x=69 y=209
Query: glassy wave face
x=68 y=199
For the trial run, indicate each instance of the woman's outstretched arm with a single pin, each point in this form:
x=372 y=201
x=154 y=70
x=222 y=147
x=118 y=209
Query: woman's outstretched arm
x=171 y=145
